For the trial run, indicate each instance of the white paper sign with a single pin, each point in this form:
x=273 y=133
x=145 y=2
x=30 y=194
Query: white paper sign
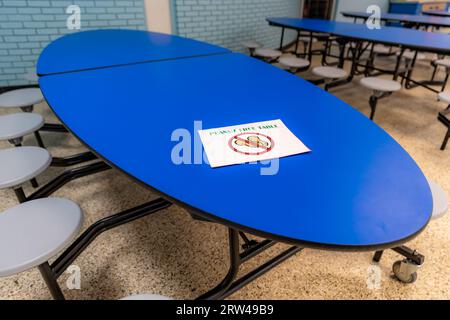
x=250 y=142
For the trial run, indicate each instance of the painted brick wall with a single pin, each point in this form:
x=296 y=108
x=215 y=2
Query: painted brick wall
x=230 y=22
x=358 y=5
x=27 y=26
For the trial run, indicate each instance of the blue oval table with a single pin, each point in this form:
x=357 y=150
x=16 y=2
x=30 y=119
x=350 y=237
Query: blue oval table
x=123 y=94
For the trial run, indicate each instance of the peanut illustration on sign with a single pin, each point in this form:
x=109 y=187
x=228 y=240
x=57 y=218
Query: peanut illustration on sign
x=252 y=142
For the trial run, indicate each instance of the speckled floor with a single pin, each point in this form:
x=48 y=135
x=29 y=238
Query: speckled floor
x=171 y=254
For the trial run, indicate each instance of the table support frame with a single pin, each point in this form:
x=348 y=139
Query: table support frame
x=229 y=285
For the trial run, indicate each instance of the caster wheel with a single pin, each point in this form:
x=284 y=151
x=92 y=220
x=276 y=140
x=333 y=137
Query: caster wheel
x=401 y=275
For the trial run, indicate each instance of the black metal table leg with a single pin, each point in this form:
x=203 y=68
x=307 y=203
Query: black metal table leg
x=228 y=285
x=409 y=72
x=256 y=273
x=282 y=39
x=296 y=43
x=235 y=262
x=377 y=256
x=398 y=63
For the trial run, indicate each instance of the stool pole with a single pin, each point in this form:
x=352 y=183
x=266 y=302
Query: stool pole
x=20 y=194
x=373 y=106
x=444 y=84
x=34 y=183
x=444 y=143
x=50 y=280
x=38 y=137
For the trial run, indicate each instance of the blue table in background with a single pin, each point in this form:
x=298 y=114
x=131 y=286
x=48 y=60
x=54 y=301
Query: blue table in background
x=411 y=20
x=358 y=189
x=437 y=13
x=404 y=38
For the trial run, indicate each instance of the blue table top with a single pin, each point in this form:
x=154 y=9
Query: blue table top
x=409 y=38
x=357 y=190
x=106 y=48
x=408 y=18
x=316 y=25
x=439 y=13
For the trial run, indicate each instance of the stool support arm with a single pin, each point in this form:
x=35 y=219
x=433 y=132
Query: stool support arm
x=105 y=224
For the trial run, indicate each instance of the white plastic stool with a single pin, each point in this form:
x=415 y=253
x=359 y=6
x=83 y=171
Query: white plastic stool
x=22 y=164
x=381 y=49
x=329 y=74
x=440 y=200
x=294 y=64
x=444 y=96
x=13 y=127
x=381 y=88
x=443 y=63
x=409 y=55
x=307 y=39
x=35 y=231
x=252 y=46
x=21 y=98
x=267 y=54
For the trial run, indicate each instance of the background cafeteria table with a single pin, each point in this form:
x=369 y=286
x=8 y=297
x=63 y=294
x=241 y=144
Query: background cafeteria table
x=438 y=13
x=411 y=20
x=405 y=38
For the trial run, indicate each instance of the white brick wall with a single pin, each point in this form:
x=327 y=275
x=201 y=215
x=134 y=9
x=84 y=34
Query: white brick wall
x=230 y=22
x=27 y=26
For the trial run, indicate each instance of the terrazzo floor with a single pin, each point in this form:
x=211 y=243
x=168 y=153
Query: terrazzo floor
x=168 y=253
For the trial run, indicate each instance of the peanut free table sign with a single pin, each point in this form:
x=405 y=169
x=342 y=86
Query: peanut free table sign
x=249 y=143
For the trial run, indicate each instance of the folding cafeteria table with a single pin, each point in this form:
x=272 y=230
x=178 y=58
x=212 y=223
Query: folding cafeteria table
x=411 y=20
x=358 y=190
x=405 y=38
x=437 y=13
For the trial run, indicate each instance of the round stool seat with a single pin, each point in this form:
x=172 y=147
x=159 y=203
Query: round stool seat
x=18 y=165
x=17 y=125
x=329 y=72
x=443 y=62
x=34 y=231
x=444 y=96
x=382 y=85
x=381 y=49
x=252 y=45
x=293 y=62
x=267 y=53
x=146 y=297
x=307 y=39
x=21 y=98
x=349 y=44
x=440 y=200
x=409 y=55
